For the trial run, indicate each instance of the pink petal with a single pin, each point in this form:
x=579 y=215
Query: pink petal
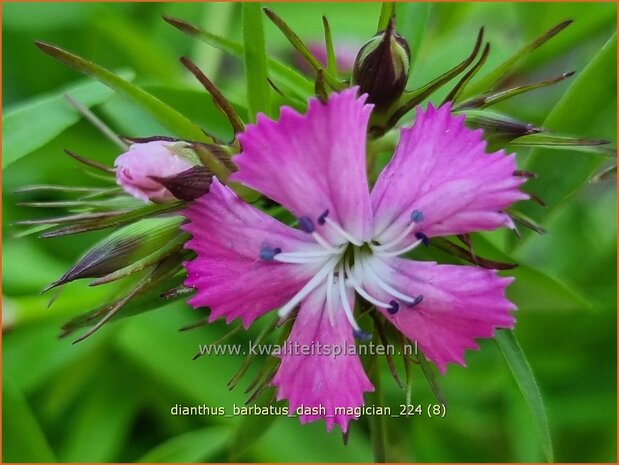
x=314 y=162
x=320 y=379
x=460 y=304
x=228 y=274
x=441 y=169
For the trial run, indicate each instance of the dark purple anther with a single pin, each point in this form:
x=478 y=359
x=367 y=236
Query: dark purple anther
x=416 y=301
x=393 y=307
x=267 y=253
x=423 y=238
x=305 y=224
x=322 y=219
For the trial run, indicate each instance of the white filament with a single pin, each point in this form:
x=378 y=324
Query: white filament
x=367 y=267
x=302 y=257
x=343 y=233
x=344 y=299
x=397 y=240
x=395 y=253
x=310 y=286
x=362 y=292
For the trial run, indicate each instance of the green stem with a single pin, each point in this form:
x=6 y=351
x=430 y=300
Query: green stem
x=378 y=428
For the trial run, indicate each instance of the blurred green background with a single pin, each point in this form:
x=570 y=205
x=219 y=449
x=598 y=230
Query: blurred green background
x=109 y=397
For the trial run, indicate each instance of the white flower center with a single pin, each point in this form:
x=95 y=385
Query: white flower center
x=350 y=265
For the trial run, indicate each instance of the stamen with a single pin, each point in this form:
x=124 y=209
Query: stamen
x=305 y=224
x=395 y=253
x=326 y=244
x=323 y=217
x=423 y=238
x=417 y=216
x=395 y=241
x=357 y=331
x=310 y=286
x=330 y=298
x=301 y=257
x=367 y=266
x=341 y=232
x=394 y=307
x=361 y=291
x=417 y=301
x=267 y=253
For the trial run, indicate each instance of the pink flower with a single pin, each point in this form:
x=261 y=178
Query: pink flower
x=348 y=241
x=139 y=170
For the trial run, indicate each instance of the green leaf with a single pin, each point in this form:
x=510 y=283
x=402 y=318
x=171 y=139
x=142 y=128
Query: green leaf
x=386 y=12
x=561 y=142
x=168 y=117
x=588 y=109
x=412 y=18
x=258 y=91
x=199 y=445
x=517 y=362
x=23 y=440
x=251 y=428
x=331 y=59
x=36 y=122
x=292 y=79
x=533 y=289
x=106 y=407
x=501 y=72
x=303 y=49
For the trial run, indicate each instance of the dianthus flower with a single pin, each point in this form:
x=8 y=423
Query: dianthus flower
x=348 y=242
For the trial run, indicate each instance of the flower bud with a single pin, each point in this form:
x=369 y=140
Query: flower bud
x=381 y=67
x=142 y=168
x=130 y=248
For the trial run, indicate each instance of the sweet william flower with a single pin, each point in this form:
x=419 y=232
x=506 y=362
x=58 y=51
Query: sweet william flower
x=348 y=242
x=142 y=169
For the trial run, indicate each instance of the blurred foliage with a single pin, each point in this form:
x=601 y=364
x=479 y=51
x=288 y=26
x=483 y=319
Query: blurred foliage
x=109 y=397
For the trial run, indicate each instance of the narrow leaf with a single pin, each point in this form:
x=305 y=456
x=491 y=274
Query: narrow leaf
x=256 y=76
x=494 y=98
x=500 y=73
x=587 y=109
x=412 y=18
x=387 y=10
x=411 y=99
x=219 y=99
x=457 y=90
x=201 y=445
x=295 y=81
x=517 y=362
x=303 y=49
x=606 y=174
x=431 y=378
x=560 y=142
x=36 y=122
x=167 y=116
x=108 y=219
x=331 y=59
x=23 y=437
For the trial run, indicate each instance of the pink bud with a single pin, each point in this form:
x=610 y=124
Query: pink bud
x=137 y=169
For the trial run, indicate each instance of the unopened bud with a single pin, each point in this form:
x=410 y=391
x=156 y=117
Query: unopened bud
x=142 y=171
x=498 y=128
x=131 y=244
x=381 y=67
